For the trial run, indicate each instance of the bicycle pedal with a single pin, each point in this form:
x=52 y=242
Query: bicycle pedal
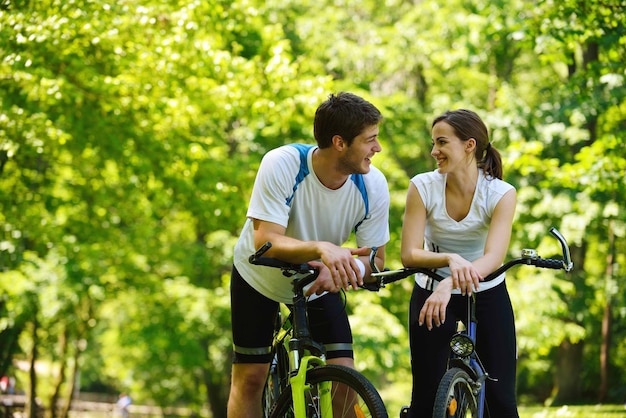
x=404 y=412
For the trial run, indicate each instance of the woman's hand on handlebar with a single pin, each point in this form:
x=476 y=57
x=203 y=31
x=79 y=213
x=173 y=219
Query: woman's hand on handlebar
x=465 y=276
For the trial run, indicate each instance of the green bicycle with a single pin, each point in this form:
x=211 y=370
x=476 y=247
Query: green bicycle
x=300 y=384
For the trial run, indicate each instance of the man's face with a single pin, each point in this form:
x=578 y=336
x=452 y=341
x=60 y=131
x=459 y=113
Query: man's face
x=357 y=157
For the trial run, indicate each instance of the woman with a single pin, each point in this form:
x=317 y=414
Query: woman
x=458 y=220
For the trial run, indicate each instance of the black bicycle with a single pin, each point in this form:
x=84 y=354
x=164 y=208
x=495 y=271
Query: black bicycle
x=461 y=391
x=300 y=383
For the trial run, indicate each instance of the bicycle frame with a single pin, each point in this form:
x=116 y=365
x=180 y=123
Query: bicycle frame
x=298 y=367
x=299 y=344
x=304 y=353
x=469 y=361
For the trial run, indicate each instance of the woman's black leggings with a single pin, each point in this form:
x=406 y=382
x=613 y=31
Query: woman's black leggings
x=495 y=344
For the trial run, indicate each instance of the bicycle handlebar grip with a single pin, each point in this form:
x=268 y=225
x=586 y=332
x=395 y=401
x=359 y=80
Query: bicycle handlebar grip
x=259 y=252
x=549 y=263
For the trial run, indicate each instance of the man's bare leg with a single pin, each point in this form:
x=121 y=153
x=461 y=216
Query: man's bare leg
x=246 y=390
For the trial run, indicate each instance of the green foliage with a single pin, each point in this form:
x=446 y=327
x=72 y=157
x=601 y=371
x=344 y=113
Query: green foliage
x=130 y=133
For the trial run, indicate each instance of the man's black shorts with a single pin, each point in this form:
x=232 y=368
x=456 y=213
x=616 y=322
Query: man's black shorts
x=253 y=317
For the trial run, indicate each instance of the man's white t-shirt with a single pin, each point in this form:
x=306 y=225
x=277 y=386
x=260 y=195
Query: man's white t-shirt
x=466 y=237
x=287 y=192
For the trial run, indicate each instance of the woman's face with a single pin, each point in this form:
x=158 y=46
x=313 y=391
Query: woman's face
x=448 y=149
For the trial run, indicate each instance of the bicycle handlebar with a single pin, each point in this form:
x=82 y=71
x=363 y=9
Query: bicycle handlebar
x=288 y=269
x=529 y=257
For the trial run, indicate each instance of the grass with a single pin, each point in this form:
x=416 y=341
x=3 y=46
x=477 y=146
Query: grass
x=573 y=411
x=397 y=395
x=578 y=411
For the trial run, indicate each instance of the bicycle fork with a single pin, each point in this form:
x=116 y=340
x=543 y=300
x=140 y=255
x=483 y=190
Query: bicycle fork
x=480 y=378
x=479 y=384
x=299 y=388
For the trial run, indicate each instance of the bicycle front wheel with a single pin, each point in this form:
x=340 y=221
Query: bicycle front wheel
x=277 y=379
x=272 y=389
x=351 y=393
x=455 y=397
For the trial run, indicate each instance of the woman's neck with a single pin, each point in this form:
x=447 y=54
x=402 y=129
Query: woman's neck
x=463 y=183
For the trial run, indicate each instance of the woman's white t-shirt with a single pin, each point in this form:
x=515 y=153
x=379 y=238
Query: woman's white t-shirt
x=466 y=237
x=287 y=192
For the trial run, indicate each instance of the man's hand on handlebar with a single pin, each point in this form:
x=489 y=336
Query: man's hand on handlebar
x=324 y=281
x=338 y=270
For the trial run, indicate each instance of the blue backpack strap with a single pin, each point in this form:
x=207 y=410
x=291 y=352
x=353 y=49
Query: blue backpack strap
x=360 y=184
x=303 y=149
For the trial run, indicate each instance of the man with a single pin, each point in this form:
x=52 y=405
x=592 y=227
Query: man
x=306 y=201
x=123 y=403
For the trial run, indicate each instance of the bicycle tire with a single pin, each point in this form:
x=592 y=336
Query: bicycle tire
x=271 y=391
x=455 y=396
x=367 y=402
x=277 y=379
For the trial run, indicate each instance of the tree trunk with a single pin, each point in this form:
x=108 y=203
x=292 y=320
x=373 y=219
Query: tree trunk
x=605 y=344
x=65 y=412
x=31 y=404
x=216 y=396
x=605 y=353
x=569 y=362
x=217 y=382
x=54 y=399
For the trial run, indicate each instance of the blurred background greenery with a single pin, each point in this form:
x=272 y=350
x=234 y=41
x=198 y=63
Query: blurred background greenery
x=130 y=132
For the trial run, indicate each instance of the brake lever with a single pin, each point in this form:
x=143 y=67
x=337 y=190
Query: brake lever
x=568 y=265
x=378 y=283
x=373 y=265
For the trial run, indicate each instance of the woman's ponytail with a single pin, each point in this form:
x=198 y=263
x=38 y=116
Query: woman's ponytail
x=491 y=162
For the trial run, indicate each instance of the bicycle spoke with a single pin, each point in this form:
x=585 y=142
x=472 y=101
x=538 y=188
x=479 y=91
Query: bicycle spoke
x=454 y=397
x=351 y=395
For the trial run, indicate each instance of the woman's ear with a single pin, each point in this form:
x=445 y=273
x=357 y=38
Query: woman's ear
x=470 y=145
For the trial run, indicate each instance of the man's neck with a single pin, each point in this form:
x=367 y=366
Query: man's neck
x=325 y=168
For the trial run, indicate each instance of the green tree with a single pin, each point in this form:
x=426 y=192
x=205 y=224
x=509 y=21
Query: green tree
x=130 y=133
